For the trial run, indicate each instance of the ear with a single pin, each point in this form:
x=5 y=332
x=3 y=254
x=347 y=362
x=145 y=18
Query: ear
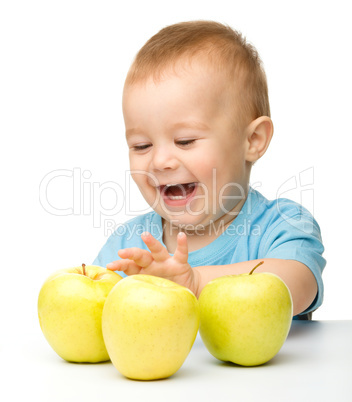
x=258 y=136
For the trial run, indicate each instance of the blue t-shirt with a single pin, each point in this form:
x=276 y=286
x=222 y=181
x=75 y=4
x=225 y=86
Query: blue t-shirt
x=263 y=229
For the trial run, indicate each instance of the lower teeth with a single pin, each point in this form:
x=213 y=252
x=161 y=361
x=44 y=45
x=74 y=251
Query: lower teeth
x=177 y=197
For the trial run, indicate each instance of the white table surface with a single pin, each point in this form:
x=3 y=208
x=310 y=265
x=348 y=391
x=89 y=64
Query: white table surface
x=315 y=364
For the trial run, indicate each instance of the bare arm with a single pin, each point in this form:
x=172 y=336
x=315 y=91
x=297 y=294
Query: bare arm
x=157 y=261
x=297 y=276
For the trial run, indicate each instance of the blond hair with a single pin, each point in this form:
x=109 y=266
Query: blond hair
x=224 y=48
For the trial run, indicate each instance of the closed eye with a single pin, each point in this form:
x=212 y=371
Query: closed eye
x=141 y=147
x=185 y=143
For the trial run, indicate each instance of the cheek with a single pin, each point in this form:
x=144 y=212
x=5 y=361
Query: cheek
x=137 y=180
x=133 y=162
x=138 y=171
x=205 y=161
x=211 y=167
x=223 y=173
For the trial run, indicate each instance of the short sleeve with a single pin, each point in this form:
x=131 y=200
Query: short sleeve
x=109 y=253
x=295 y=235
x=128 y=235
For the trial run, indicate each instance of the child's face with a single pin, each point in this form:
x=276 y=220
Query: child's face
x=186 y=156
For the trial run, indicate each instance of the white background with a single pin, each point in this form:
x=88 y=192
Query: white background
x=62 y=69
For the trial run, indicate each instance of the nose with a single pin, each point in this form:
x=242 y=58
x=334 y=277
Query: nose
x=164 y=158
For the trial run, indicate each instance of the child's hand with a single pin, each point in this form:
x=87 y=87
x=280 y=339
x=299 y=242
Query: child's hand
x=158 y=261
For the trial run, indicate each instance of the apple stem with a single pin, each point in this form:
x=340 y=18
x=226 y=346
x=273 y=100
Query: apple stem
x=261 y=262
x=84 y=268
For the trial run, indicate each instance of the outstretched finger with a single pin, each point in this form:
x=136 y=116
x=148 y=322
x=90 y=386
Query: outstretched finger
x=181 y=253
x=129 y=267
x=159 y=252
x=141 y=257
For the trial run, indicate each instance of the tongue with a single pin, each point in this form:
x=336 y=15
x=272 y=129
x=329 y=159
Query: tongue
x=180 y=190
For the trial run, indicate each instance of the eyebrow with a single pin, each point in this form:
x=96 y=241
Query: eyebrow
x=132 y=131
x=197 y=125
x=190 y=124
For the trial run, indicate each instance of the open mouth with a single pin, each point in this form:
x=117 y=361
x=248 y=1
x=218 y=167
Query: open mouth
x=178 y=193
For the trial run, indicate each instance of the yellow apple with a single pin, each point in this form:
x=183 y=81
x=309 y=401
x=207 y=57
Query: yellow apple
x=149 y=326
x=70 y=306
x=245 y=319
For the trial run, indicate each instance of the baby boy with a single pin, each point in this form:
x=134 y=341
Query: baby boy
x=197 y=117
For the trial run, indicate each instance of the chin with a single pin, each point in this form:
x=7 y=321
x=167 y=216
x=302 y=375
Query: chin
x=187 y=223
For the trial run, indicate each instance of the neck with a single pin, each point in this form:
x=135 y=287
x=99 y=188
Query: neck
x=201 y=235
